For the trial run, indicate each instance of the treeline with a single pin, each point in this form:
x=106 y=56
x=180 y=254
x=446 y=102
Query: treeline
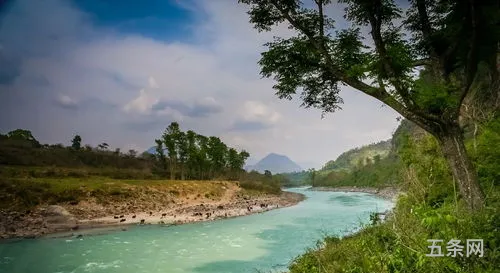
x=21 y=148
x=179 y=155
x=189 y=155
x=374 y=172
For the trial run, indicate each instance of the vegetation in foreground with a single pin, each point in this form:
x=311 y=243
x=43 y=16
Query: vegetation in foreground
x=429 y=209
x=436 y=64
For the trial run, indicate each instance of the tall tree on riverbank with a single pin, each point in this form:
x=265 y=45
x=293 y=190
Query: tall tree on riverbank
x=451 y=42
x=170 y=141
x=196 y=156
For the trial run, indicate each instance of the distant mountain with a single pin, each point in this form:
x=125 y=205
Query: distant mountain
x=275 y=163
x=151 y=150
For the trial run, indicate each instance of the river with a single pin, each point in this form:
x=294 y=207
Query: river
x=264 y=242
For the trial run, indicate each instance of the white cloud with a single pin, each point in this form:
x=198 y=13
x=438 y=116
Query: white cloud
x=66 y=101
x=258 y=111
x=142 y=104
x=152 y=83
x=209 y=85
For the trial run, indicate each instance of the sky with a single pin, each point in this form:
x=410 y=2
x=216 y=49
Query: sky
x=120 y=73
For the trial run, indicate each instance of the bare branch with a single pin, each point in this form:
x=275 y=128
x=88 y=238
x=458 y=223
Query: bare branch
x=421 y=62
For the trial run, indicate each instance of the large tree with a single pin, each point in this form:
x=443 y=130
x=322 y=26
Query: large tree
x=450 y=41
x=170 y=140
x=76 y=143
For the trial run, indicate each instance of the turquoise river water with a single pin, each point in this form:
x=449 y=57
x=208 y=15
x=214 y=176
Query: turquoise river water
x=265 y=242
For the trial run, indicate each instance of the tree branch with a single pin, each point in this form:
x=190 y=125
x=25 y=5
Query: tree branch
x=426 y=27
x=421 y=62
x=375 y=18
x=471 y=62
x=426 y=122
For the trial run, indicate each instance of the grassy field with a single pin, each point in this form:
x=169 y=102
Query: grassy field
x=24 y=188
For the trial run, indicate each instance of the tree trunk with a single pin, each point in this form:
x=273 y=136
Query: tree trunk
x=453 y=148
x=172 y=170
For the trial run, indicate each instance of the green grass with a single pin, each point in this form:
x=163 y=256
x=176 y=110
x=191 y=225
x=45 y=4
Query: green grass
x=25 y=193
x=400 y=245
x=430 y=209
x=67 y=172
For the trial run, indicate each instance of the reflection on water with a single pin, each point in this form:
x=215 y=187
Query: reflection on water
x=266 y=242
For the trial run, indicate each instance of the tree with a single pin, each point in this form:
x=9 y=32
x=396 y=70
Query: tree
x=217 y=151
x=26 y=135
x=183 y=148
x=169 y=138
x=312 y=175
x=76 y=143
x=450 y=41
x=202 y=156
x=376 y=159
x=268 y=174
x=236 y=161
x=160 y=154
x=192 y=153
x=132 y=153
x=103 y=146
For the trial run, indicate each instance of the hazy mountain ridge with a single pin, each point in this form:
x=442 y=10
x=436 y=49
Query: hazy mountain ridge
x=275 y=163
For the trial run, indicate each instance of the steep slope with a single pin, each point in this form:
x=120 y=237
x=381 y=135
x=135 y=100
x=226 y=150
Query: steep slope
x=354 y=157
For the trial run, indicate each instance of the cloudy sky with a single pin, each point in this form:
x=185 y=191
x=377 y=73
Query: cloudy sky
x=120 y=73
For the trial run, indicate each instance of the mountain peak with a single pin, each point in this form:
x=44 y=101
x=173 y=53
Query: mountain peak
x=275 y=163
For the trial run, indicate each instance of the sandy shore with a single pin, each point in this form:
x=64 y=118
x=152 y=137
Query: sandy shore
x=390 y=193
x=197 y=212
x=64 y=220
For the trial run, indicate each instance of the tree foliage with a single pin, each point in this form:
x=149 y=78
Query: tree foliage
x=76 y=142
x=194 y=156
x=448 y=41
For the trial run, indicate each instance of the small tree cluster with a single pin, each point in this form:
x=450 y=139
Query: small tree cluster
x=188 y=155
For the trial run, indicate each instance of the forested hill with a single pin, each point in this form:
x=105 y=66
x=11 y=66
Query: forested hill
x=374 y=165
x=359 y=156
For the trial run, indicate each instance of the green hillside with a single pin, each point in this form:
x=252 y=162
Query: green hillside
x=359 y=156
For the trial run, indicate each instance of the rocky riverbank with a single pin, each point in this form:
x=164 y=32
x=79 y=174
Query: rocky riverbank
x=89 y=214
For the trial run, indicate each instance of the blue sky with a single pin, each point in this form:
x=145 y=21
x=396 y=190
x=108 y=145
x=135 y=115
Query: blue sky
x=120 y=71
x=157 y=19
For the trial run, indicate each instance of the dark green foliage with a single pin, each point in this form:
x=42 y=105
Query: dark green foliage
x=486 y=153
x=451 y=41
x=429 y=209
x=76 y=143
x=261 y=182
x=25 y=153
x=296 y=179
x=384 y=172
x=347 y=160
x=193 y=156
